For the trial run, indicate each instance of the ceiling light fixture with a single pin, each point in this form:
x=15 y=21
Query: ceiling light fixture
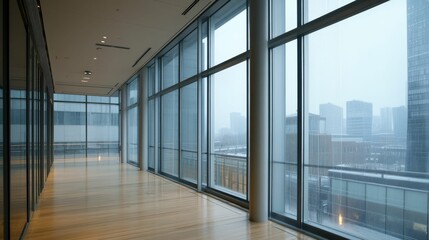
x=102 y=41
x=84 y=81
x=104 y=37
x=95 y=58
x=86 y=72
x=86 y=78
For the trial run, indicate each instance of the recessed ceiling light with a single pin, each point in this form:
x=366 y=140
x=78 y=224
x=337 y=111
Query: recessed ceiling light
x=104 y=37
x=87 y=72
x=95 y=58
x=38 y=6
x=102 y=41
x=86 y=78
x=84 y=81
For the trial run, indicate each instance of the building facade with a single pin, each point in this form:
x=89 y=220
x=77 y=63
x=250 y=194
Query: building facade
x=418 y=86
x=359 y=118
x=334 y=118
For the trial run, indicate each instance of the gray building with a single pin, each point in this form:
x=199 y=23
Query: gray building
x=333 y=115
x=399 y=118
x=359 y=118
x=418 y=86
x=386 y=124
x=237 y=123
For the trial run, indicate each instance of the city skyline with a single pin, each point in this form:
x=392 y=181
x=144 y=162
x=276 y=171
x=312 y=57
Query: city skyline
x=344 y=59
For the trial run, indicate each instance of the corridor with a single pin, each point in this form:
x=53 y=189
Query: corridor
x=104 y=199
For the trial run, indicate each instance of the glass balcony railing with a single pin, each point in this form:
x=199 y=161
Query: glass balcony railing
x=229 y=174
x=79 y=150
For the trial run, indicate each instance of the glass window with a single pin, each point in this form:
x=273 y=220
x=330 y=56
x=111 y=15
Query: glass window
x=188 y=133
x=132 y=136
x=18 y=121
x=365 y=104
x=103 y=131
x=132 y=92
x=229 y=130
x=170 y=133
x=317 y=8
x=115 y=97
x=151 y=80
x=189 y=60
x=69 y=130
x=151 y=132
x=98 y=99
x=285 y=126
x=229 y=32
x=204 y=131
x=45 y=133
x=283 y=16
x=69 y=98
x=170 y=68
x=204 y=46
x=18 y=151
x=86 y=129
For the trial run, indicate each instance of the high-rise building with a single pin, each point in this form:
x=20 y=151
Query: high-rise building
x=237 y=123
x=386 y=120
x=316 y=124
x=399 y=119
x=376 y=125
x=418 y=86
x=333 y=115
x=359 y=118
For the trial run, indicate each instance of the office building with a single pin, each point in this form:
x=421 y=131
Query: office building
x=359 y=118
x=334 y=118
x=142 y=119
x=418 y=85
x=399 y=117
x=238 y=123
x=386 y=120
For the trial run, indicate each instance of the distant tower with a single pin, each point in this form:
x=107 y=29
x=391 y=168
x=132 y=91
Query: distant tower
x=386 y=120
x=418 y=86
x=237 y=123
x=399 y=118
x=359 y=119
x=334 y=118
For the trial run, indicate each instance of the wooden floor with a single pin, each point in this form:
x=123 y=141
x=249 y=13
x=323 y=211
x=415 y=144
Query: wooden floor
x=107 y=200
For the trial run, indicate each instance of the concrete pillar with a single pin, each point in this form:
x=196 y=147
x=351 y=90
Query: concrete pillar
x=258 y=111
x=142 y=122
x=278 y=75
x=124 y=124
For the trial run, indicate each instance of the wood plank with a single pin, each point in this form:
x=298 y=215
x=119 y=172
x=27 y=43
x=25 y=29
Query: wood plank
x=108 y=200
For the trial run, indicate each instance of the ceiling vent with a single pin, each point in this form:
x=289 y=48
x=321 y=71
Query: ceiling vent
x=190 y=7
x=112 y=46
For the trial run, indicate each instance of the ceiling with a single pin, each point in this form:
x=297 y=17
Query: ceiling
x=74 y=27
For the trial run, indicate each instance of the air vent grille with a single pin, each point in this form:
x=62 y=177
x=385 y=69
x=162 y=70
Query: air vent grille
x=112 y=46
x=190 y=7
